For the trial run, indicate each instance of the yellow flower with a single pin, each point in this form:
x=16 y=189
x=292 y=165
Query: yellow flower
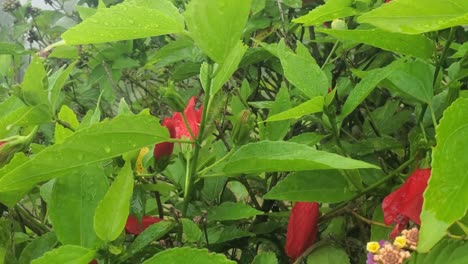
x=373 y=247
x=139 y=162
x=400 y=241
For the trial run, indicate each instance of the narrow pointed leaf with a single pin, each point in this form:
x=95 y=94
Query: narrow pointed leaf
x=90 y=145
x=267 y=156
x=311 y=106
x=413 y=45
x=112 y=211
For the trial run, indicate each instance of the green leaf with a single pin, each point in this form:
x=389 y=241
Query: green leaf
x=112 y=211
x=25 y=116
x=73 y=202
x=311 y=106
x=445 y=198
x=37 y=248
x=417 y=16
x=227 y=67
x=66 y=254
x=265 y=258
x=130 y=20
x=413 y=45
x=332 y=9
x=56 y=83
x=232 y=211
x=267 y=156
x=150 y=234
x=328 y=255
x=67 y=116
x=364 y=88
x=191 y=231
x=378 y=232
x=220 y=234
x=445 y=252
x=32 y=85
x=414 y=78
x=302 y=70
x=277 y=130
x=181 y=255
x=12 y=49
x=10 y=198
x=89 y=145
x=217 y=25
x=312 y=186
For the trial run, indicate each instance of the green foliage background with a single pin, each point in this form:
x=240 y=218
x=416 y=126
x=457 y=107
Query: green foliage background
x=333 y=102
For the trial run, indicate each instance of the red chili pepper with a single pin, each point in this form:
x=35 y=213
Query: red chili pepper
x=302 y=228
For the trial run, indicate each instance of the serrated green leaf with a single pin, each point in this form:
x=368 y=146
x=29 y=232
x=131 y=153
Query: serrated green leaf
x=311 y=106
x=191 y=231
x=150 y=234
x=89 y=145
x=73 y=201
x=446 y=198
x=112 y=211
x=267 y=156
x=217 y=25
x=332 y=9
x=232 y=211
x=328 y=255
x=302 y=70
x=312 y=186
x=417 y=16
x=414 y=78
x=181 y=255
x=38 y=247
x=66 y=254
x=130 y=20
x=413 y=45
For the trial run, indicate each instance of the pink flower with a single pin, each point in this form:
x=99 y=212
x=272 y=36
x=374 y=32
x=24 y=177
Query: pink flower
x=133 y=227
x=302 y=228
x=405 y=203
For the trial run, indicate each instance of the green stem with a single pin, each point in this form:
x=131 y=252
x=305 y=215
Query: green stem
x=434 y=120
x=450 y=39
x=206 y=169
x=330 y=54
x=199 y=139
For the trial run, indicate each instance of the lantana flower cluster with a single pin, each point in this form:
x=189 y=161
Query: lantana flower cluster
x=386 y=252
